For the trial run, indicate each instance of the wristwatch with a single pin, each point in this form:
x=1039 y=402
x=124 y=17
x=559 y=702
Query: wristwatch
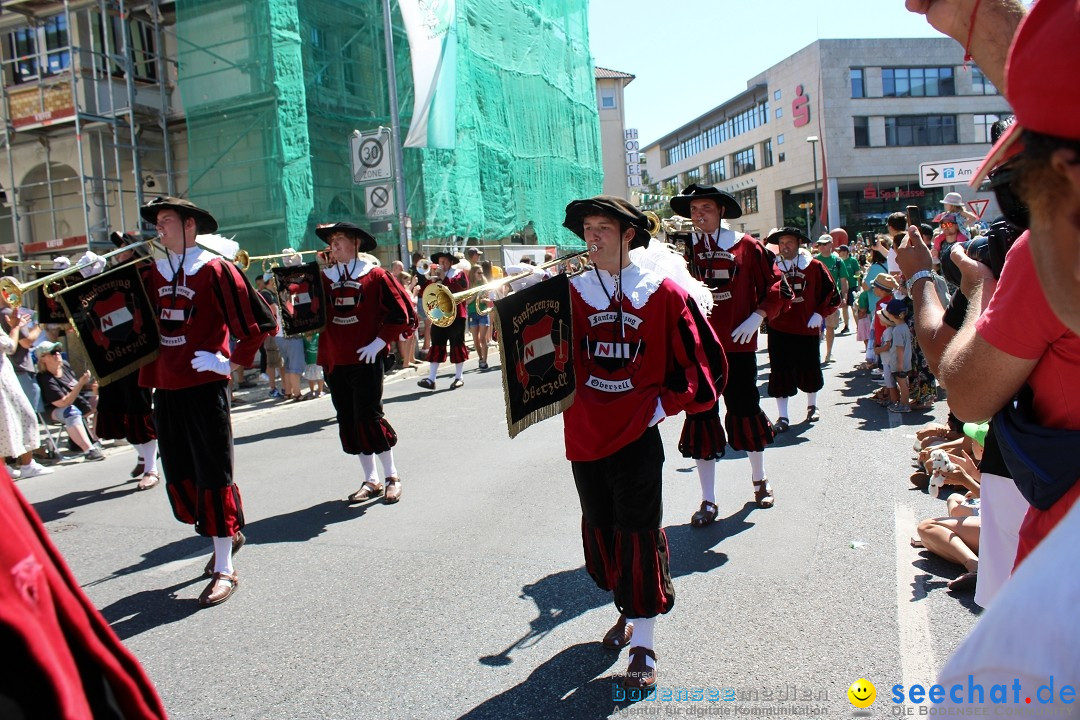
x=917 y=277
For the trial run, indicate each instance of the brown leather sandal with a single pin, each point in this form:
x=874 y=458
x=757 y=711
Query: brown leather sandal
x=639 y=676
x=619 y=635
x=763 y=494
x=220 y=589
x=393 y=490
x=705 y=515
x=149 y=480
x=367 y=491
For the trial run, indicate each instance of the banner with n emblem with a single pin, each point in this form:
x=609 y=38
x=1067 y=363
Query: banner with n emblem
x=50 y=311
x=535 y=340
x=113 y=318
x=301 y=302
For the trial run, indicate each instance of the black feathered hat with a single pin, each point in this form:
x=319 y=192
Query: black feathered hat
x=204 y=221
x=680 y=204
x=365 y=242
x=616 y=207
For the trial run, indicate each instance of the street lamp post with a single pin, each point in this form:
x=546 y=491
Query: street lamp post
x=813 y=140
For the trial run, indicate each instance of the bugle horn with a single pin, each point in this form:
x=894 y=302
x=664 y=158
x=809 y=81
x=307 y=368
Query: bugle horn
x=441 y=305
x=13 y=291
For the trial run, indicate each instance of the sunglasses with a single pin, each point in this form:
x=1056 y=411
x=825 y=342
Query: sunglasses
x=948 y=224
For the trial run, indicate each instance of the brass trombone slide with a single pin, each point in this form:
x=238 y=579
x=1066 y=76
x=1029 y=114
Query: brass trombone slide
x=440 y=304
x=13 y=291
x=243 y=260
x=9 y=263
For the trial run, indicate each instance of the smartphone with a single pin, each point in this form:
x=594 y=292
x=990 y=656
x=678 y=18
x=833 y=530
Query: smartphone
x=914 y=215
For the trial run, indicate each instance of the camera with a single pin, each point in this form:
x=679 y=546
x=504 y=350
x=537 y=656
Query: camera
x=989 y=249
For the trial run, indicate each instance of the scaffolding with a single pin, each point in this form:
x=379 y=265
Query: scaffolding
x=85 y=127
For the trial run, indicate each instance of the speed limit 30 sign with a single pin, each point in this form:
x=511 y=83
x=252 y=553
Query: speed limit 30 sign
x=370 y=156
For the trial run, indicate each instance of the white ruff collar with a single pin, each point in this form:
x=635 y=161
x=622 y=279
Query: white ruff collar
x=639 y=285
x=191 y=260
x=359 y=270
x=725 y=238
x=802 y=260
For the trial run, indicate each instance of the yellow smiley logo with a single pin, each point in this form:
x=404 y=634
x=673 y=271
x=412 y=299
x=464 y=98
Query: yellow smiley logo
x=862 y=693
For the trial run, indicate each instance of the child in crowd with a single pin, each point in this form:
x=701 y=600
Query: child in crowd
x=863 y=324
x=313 y=373
x=882 y=287
x=895 y=353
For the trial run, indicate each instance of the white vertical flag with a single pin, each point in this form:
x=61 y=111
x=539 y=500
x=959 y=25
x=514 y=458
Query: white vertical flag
x=430 y=27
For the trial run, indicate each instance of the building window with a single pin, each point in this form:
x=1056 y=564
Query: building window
x=862 y=131
x=143 y=58
x=779 y=112
x=917 y=82
x=39 y=52
x=780 y=139
x=766 y=153
x=747 y=199
x=716 y=172
x=743 y=162
x=857 y=85
x=723 y=131
x=776 y=95
x=979 y=84
x=982 y=127
x=607 y=98
x=693 y=175
x=905 y=130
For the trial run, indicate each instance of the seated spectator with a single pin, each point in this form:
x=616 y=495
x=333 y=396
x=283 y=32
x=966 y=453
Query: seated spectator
x=956 y=537
x=65 y=397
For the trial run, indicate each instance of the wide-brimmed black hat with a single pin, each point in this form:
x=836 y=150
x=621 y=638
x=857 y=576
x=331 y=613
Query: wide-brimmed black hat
x=680 y=204
x=365 y=241
x=129 y=238
x=774 y=236
x=204 y=221
x=441 y=254
x=616 y=207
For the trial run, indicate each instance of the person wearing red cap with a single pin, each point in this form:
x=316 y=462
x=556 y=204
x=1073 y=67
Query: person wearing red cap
x=746 y=290
x=643 y=351
x=794 y=345
x=201 y=300
x=368 y=310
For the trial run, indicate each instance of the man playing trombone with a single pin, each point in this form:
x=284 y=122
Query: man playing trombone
x=368 y=310
x=643 y=351
x=200 y=299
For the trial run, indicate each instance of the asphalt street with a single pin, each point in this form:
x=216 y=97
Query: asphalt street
x=469 y=598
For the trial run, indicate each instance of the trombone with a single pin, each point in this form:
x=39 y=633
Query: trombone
x=441 y=305
x=13 y=291
x=6 y=263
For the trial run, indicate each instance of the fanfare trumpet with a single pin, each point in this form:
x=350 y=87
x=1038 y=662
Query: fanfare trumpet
x=6 y=263
x=441 y=305
x=243 y=260
x=13 y=291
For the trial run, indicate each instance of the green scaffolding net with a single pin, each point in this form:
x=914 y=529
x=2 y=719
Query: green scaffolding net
x=272 y=92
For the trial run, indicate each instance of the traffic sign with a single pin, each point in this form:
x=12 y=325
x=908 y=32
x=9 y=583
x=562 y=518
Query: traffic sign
x=370 y=154
x=948 y=172
x=978 y=207
x=379 y=200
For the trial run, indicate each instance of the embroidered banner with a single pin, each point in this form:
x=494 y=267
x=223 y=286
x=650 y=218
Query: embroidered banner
x=301 y=302
x=50 y=311
x=113 y=317
x=535 y=341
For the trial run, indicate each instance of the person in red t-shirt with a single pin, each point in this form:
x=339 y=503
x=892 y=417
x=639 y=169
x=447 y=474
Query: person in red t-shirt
x=368 y=310
x=201 y=299
x=643 y=351
x=794 y=344
x=456 y=280
x=746 y=290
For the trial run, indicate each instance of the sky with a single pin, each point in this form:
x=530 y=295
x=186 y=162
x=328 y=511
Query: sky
x=665 y=43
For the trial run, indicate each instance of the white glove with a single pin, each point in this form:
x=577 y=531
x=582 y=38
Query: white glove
x=814 y=322
x=291 y=258
x=658 y=414
x=205 y=361
x=61 y=263
x=746 y=330
x=92 y=262
x=369 y=352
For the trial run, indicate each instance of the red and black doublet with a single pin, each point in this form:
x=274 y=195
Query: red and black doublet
x=456 y=281
x=62 y=660
x=199 y=306
x=794 y=348
x=365 y=302
x=665 y=350
x=740 y=272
